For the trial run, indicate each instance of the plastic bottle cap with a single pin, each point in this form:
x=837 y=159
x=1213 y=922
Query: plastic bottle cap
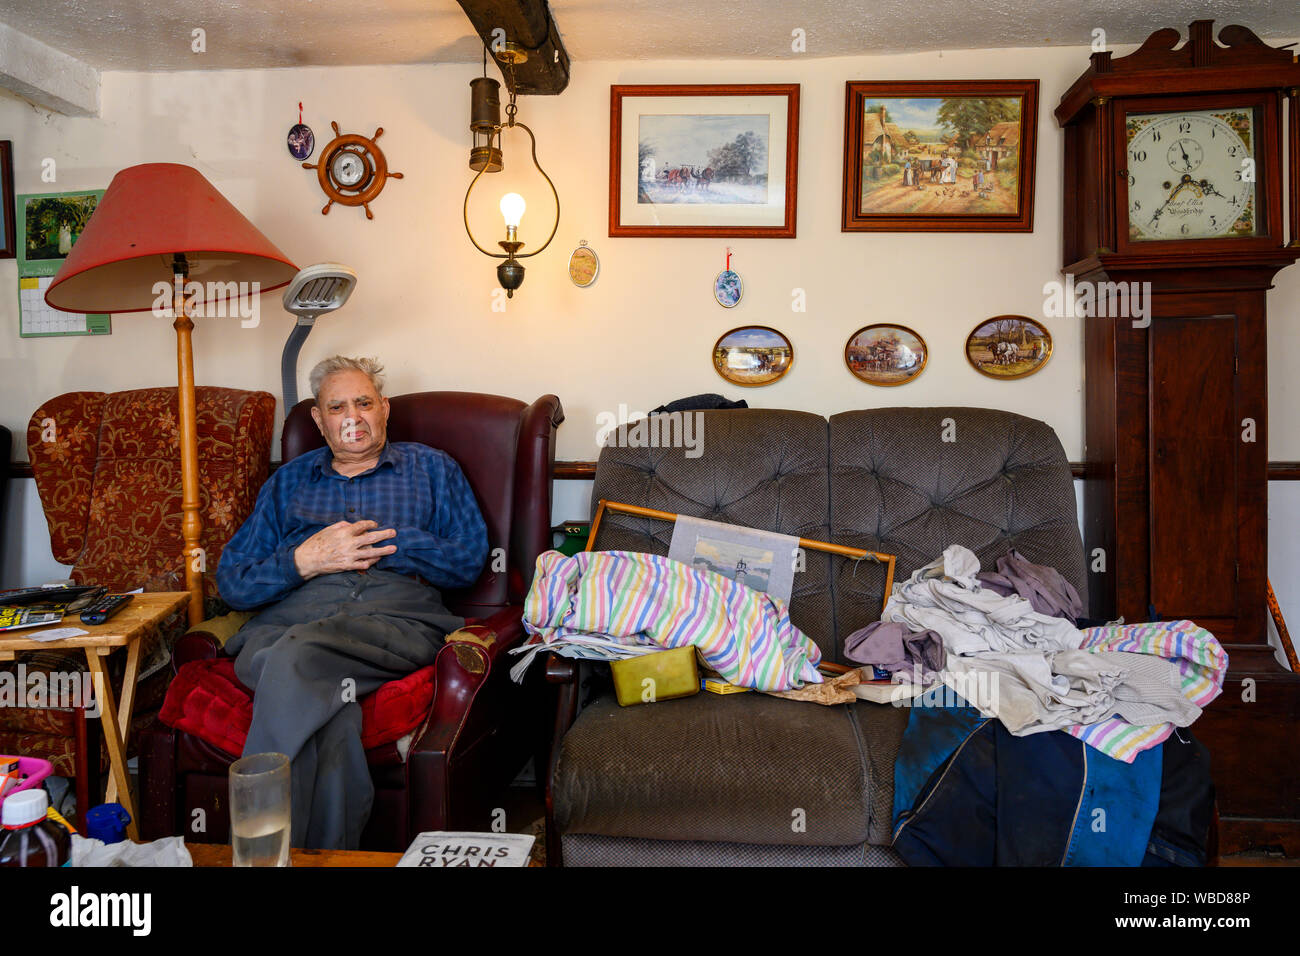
x=25 y=807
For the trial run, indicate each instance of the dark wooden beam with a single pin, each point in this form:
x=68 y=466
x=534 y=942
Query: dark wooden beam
x=527 y=25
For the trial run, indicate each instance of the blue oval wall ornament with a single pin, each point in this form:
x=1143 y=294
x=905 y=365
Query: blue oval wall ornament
x=727 y=287
x=301 y=140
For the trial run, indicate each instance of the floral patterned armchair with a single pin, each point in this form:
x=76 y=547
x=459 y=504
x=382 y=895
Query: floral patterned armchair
x=107 y=467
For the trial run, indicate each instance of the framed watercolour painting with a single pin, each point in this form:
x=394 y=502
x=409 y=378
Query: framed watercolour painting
x=1008 y=346
x=950 y=156
x=886 y=354
x=719 y=161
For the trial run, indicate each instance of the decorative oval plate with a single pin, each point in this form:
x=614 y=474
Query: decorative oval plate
x=727 y=288
x=583 y=265
x=1008 y=346
x=752 y=355
x=885 y=354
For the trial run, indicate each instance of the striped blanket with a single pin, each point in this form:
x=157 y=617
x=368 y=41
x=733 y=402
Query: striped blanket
x=1202 y=662
x=615 y=604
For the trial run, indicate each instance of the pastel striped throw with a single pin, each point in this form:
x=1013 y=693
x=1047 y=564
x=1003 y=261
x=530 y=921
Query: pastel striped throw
x=1201 y=660
x=610 y=604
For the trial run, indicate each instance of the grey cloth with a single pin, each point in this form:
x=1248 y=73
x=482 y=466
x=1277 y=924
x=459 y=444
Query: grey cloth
x=1152 y=693
x=1042 y=586
x=309 y=658
x=1031 y=692
x=895 y=648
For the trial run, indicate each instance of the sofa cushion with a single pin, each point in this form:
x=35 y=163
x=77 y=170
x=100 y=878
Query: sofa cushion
x=207 y=700
x=739 y=768
x=899 y=487
x=760 y=468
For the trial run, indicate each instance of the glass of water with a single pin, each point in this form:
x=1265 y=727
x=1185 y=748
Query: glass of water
x=259 y=810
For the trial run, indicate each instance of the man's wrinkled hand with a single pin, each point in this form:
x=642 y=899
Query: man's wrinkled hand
x=343 y=546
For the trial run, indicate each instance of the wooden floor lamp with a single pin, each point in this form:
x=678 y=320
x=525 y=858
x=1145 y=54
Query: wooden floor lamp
x=158 y=226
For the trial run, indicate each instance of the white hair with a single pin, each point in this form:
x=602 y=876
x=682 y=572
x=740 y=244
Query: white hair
x=342 y=363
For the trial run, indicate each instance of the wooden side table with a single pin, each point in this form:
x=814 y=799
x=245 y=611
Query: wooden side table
x=124 y=629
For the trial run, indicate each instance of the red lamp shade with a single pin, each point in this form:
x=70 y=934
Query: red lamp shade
x=148 y=214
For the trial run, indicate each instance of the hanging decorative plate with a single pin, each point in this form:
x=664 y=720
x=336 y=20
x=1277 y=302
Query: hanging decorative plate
x=1008 y=346
x=583 y=265
x=885 y=354
x=727 y=289
x=301 y=140
x=752 y=355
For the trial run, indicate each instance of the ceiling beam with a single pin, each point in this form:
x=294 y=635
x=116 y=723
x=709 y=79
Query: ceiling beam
x=526 y=24
x=46 y=76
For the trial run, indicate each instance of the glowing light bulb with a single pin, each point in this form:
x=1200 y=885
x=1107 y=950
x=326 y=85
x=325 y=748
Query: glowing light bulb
x=512 y=207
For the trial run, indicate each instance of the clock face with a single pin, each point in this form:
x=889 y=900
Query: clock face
x=1191 y=175
x=348 y=168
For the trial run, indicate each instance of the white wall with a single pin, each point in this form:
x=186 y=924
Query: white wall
x=642 y=334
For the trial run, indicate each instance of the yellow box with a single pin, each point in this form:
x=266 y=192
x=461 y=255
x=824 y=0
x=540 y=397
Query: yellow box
x=716 y=685
x=662 y=675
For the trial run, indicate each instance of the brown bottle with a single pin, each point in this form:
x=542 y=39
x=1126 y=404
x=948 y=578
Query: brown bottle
x=30 y=837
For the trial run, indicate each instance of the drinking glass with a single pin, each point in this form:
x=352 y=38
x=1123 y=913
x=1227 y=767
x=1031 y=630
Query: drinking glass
x=260 y=810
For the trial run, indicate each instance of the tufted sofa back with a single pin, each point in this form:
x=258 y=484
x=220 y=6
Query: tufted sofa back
x=904 y=481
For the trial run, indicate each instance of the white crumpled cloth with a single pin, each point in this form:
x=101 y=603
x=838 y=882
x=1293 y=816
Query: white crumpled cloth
x=945 y=597
x=169 y=851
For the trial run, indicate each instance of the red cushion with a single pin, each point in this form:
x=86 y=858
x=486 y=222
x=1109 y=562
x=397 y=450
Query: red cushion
x=208 y=701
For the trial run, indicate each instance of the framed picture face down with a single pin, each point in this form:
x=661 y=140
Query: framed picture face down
x=719 y=161
x=1008 y=346
x=951 y=156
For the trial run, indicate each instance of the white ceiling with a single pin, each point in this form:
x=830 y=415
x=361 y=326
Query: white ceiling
x=240 y=34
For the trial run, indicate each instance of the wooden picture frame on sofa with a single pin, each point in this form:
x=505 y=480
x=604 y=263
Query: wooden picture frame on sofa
x=809 y=543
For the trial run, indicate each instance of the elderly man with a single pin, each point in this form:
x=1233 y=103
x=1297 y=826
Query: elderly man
x=343 y=553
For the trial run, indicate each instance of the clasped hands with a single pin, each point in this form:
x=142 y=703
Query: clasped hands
x=343 y=546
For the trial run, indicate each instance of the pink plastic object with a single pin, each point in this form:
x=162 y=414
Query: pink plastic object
x=36 y=770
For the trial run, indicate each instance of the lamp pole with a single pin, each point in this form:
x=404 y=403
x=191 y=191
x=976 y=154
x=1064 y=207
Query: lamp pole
x=191 y=524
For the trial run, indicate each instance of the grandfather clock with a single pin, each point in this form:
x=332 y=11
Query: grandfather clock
x=1174 y=183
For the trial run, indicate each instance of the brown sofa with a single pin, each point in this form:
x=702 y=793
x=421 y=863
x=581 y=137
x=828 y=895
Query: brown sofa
x=752 y=779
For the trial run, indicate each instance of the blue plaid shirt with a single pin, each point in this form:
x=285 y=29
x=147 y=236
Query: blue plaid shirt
x=414 y=488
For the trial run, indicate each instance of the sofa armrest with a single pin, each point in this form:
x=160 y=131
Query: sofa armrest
x=207 y=639
x=495 y=635
x=472 y=655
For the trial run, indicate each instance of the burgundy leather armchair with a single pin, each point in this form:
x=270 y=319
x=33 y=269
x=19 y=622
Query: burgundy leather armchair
x=481 y=728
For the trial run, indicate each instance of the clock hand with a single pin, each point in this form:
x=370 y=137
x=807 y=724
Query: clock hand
x=1186 y=158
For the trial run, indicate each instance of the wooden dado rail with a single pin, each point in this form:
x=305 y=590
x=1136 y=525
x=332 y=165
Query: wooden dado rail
x=586 y=470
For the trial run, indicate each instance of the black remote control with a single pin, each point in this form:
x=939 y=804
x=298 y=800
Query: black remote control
x=101 y=610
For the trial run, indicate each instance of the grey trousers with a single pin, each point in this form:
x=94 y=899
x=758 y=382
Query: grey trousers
x=309 y=658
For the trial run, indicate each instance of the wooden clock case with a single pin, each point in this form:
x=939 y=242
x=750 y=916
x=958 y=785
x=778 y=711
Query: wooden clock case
x=1176 y=460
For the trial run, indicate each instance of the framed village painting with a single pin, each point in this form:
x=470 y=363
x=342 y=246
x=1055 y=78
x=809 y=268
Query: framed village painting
x=718 y=161
x=951 y=156
x=1008 y=346
x=885 y=354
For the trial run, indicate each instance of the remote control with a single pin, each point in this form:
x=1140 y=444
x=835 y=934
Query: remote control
x=101 y=610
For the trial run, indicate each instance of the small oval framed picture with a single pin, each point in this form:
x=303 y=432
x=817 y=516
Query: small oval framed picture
x=727 y=288
x=1008 y=346
x=885 y=354
x=583 y=265
x=752 y=355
